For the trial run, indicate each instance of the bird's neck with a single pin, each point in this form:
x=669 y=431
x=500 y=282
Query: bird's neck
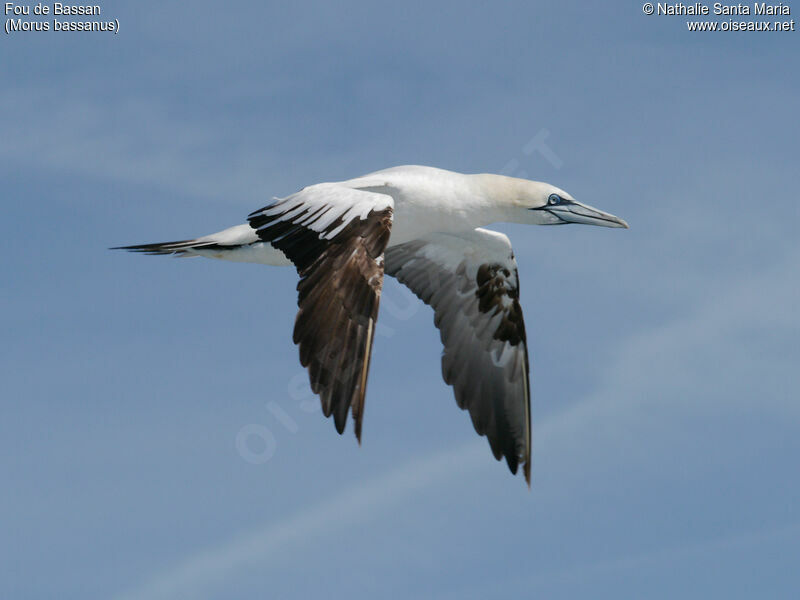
x=498 y=197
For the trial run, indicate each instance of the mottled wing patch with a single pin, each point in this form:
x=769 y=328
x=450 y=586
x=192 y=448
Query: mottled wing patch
x=498 y=292
x=474 y=292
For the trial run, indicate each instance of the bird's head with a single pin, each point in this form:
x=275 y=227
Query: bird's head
x=538 y=203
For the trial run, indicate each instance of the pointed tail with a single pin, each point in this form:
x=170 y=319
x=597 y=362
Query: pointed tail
x=176 y=248
x=227 y=239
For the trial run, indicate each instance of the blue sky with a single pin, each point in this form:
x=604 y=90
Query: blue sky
x=666 y=420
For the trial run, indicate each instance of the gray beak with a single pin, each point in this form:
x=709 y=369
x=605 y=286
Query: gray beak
x=575 y=212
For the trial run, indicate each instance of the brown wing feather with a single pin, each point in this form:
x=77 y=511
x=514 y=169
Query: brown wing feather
x=338 y=297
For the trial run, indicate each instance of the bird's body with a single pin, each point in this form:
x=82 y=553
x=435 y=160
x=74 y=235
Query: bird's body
x=426 y=200
x=423 y=226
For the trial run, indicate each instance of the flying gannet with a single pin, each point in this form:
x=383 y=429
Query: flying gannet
x=423 y=226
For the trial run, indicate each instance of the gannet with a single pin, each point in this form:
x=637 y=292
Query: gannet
x=423 y=226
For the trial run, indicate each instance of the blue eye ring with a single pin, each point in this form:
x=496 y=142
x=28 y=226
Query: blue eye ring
x=553 y=199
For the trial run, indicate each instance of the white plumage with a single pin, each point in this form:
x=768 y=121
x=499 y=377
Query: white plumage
x=423 y=226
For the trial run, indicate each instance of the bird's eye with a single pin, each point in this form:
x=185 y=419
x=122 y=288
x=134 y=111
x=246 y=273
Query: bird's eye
x=553 y=199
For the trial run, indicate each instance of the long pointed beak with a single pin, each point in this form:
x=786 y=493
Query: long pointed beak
x=575 y=212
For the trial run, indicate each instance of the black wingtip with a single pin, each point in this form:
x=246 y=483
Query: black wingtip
x=340 y=425
x=513 y=462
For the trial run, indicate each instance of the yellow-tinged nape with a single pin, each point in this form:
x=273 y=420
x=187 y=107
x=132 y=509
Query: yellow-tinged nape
x=514 y=192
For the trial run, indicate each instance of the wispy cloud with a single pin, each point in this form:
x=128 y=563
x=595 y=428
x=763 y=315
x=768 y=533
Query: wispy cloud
x=138 y=141
x=662 y=358
x=358 y=504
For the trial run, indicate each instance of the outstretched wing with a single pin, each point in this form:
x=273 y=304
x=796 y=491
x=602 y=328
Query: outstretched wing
x=470 y=279
x=336 y=237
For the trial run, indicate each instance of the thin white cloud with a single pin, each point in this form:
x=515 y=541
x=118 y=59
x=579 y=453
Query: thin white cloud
x=358 y=504
x=130 y=140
